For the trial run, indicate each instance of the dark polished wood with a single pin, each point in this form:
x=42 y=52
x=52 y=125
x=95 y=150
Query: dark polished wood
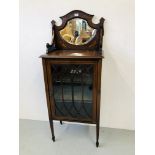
x=61 y=122
x=59 y=43
x=61 y=54
x=85 y=58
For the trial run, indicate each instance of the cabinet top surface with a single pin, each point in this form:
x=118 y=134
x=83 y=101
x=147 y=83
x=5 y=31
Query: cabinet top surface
x=73 y=54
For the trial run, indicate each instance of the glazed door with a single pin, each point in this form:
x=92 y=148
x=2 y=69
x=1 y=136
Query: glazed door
x=72 y=90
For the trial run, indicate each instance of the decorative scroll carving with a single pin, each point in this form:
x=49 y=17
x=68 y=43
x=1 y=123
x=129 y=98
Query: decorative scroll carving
x=60 y=44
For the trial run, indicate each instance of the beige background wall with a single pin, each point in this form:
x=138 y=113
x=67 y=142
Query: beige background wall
x=117 y=102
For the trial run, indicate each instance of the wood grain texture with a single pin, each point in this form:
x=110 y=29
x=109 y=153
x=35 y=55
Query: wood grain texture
x=80 y=54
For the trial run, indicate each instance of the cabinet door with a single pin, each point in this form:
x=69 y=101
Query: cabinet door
x=72 y=90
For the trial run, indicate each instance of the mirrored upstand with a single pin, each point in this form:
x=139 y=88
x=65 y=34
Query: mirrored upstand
x=72 y=70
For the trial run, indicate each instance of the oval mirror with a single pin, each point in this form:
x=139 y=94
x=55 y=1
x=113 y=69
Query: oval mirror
x=77 y=32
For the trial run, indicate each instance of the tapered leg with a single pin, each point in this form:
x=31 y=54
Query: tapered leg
x=61 y=122
x=97 y=134
x=99 y=66
x=52 y=130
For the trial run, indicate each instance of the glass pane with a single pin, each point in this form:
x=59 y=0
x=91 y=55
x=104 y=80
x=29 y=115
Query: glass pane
x=72 y=89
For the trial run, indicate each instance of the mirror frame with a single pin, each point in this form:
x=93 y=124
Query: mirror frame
x=85 y=33
x=58 y=43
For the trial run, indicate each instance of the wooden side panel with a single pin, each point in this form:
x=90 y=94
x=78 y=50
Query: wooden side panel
x=47 y=88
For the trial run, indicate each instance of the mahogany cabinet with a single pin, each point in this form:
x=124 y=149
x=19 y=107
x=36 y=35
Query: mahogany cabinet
x=72 y=70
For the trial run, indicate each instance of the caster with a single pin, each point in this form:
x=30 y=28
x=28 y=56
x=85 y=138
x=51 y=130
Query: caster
x=97 y=144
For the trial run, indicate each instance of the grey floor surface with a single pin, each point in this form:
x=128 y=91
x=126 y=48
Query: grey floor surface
x=73 y=139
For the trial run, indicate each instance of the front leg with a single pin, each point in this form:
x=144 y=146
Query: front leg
x=52 y=130
x=97 y=134
x=60 y=122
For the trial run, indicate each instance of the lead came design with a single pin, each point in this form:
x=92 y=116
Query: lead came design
x=72 y=89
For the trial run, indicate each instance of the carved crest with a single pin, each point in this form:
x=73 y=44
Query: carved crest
x=61 y=44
